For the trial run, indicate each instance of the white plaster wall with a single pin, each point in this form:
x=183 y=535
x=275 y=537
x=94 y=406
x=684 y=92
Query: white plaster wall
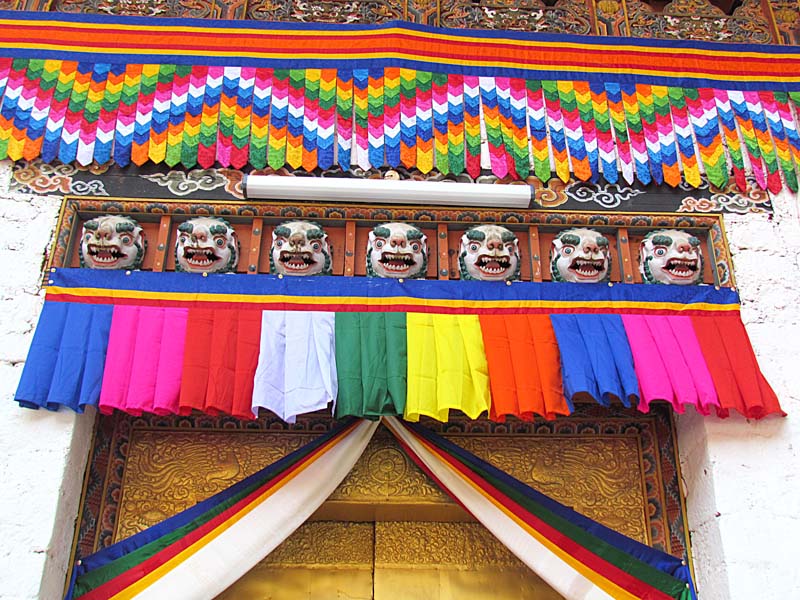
x=42 y=456
x=743 y=477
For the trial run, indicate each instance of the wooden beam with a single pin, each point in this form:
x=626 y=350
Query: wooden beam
x=255 y=246
x=160 y=259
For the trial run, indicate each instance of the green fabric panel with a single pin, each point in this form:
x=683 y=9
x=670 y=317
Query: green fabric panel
x=372 y=365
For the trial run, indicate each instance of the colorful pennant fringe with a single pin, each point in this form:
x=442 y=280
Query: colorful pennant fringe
x=172 y=343
x=201 y=551
x=204 y=549
x=306 y=96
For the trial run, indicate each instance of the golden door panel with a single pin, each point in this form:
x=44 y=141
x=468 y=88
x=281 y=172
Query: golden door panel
x=390 y=560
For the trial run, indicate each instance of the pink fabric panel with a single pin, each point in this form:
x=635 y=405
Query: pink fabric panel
x=119 y=359
x=170 y=361
x=144 y=368
x=654 y=383
x=670 y=349
x=704 y=384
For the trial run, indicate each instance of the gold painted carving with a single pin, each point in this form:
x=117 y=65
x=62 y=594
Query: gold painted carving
x=598 y=475
x=384 y=473
x=325 y=543
x=465 y=545
x=169 y=471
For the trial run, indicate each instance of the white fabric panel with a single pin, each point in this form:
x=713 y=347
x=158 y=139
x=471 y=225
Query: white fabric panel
x=296 y=371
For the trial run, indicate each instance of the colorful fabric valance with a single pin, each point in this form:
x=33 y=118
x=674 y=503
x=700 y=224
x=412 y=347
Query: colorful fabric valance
x=204 y=549
x=176 y=342
x=87 y=88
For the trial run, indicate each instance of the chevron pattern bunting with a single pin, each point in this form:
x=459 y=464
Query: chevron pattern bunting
x=433 y=105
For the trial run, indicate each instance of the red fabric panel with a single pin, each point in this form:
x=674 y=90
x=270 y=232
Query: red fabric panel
x=247 y=350
x=737 y=377
x=524 y=370
x=196 y=359
x=222 y=363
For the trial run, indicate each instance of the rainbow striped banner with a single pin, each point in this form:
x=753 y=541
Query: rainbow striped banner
x=577 y=557
x=237 y=94
x=203 y=550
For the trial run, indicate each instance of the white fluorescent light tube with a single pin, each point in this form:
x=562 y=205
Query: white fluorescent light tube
x=382 y=191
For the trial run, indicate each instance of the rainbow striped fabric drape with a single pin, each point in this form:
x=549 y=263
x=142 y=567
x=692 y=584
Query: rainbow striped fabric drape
x=93 y=89
x=176 y=343
x=577 y=557
x=203 y=550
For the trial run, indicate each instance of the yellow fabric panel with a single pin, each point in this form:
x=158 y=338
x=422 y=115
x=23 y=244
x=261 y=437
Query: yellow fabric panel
x=446 y=366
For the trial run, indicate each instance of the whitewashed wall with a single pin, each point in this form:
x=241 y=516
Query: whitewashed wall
x=42 y=456
x=742 y=478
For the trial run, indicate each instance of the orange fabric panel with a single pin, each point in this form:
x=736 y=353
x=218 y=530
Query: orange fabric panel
x=524 y=369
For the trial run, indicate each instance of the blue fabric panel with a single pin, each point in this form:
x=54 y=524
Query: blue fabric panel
x=34 y=385
x=595 y=358
x=67 y=356
x=96 y=348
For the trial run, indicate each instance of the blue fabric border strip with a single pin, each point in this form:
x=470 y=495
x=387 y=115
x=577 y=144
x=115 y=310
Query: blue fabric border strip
x=367 y=287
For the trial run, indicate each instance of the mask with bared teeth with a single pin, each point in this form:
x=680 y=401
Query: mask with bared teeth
x=112 y=242
x=580 y=256
x=206 y=245
x=489 y=253
x=671 y=256
x=300 y=248
x=397 y=250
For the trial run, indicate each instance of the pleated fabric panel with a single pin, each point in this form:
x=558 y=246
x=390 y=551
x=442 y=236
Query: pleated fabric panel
x=67 y=356
x=220 y=358
x=669 y=363
x=447 y=369
x=371 y=364
x=296 y=368
x=145 y=360
x=738 y=380
x=524 y=369
x=596 y=360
